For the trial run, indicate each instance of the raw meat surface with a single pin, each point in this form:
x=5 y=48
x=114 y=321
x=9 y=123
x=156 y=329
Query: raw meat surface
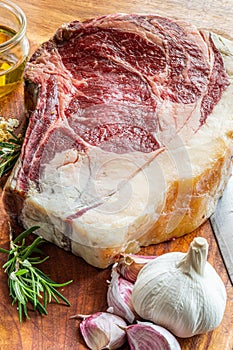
x=109 y=85
x=106 y=98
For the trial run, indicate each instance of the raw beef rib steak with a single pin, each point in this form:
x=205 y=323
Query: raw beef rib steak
x=129 y=139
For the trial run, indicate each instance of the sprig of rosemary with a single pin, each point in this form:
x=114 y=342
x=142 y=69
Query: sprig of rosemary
x=9 y=152
x=27 y=284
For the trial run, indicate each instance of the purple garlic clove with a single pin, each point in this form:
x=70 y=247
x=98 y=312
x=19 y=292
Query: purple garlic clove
x=129 y=265
x=119 y=297
x=103 y=330
x=148 y=336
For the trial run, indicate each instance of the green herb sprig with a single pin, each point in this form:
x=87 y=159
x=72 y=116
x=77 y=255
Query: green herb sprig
x=27 y=284
x=9 y=152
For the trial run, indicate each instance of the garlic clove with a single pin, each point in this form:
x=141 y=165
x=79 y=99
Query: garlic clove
x=103 y=330
x=119 y=297
x=148 y=336
x=129 y=265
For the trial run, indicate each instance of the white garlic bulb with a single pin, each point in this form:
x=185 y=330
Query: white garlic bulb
x=181 y=292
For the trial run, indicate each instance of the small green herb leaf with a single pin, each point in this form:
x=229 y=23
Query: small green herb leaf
x=27 y=284
x=9 y=153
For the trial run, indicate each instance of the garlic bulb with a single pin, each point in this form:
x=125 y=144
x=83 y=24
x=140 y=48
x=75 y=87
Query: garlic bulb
x=129 y=265
x=181 y=292
x=103 y=330
x=148 y=336
x=119 y=296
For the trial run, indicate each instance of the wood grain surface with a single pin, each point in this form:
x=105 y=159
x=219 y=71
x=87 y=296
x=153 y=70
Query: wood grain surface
x=87 y=293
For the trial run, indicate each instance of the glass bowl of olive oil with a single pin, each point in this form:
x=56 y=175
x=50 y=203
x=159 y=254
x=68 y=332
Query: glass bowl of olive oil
x=14 y=46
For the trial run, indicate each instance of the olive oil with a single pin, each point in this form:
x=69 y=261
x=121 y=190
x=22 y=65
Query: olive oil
x=12 y=62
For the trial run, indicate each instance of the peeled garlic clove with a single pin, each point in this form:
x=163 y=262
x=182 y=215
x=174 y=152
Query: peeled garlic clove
x=148 y=336
x=119 y=297
x=103 y=330
x=129 y=265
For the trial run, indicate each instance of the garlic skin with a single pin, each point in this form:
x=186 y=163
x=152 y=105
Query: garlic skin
x=101 y=331
x=129 y=265
x=181 y=292
x=119 y=297
x=148 y=336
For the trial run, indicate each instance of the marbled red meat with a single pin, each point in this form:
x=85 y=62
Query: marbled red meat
x=115 y=144
x=108 y=79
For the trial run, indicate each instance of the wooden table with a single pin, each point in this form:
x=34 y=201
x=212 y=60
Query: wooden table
x=88 y=291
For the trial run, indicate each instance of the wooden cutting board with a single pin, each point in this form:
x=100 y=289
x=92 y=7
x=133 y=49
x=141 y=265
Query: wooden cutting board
x=87 y=293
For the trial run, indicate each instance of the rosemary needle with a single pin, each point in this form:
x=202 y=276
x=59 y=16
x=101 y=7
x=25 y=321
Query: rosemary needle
x=28 y=284
x=9 y=152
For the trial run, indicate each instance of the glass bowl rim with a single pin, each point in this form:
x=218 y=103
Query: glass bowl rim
x=20 y=15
